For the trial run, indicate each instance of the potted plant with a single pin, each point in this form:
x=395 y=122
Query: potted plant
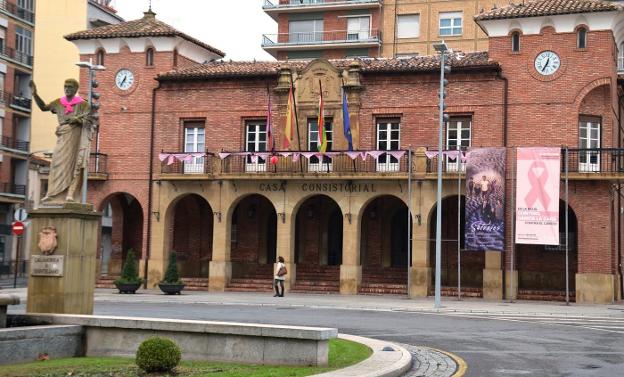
x=129 y=281
x=172 y=284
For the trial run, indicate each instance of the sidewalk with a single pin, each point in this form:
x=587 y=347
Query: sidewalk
x=348 y=302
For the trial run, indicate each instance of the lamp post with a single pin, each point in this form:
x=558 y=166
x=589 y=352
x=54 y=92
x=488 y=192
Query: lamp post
x=94 y=114
x=442 y=48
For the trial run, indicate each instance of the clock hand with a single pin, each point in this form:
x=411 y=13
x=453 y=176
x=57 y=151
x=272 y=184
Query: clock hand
x=546 y=65
x=124 y=80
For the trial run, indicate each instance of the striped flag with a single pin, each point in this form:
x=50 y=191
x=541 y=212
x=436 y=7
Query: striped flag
x=322 y=136
x=346 y=121
x=290 y=119
x=271 y=144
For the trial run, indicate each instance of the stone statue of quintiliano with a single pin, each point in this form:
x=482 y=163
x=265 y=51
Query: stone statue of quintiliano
x=71 y=152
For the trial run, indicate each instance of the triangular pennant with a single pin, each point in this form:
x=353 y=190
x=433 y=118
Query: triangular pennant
x=397 y=154
x=285 y=154
x=353 y=155
x=452 y=155
x=431 y=154
x=163 y=156
x=223 y=155
x=254 y=158
x=296 y=156
x=375 y=154
x=308 y=154
x=170 y=159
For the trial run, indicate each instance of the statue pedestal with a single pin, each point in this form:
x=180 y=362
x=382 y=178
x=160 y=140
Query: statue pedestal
x=64 y=281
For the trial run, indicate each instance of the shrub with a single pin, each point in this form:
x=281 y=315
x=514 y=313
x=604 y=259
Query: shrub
x=130 y=272
x=158 y=355
x=172 y=276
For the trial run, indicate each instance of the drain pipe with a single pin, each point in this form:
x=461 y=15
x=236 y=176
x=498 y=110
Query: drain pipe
x=150 y=189
x=499 y=76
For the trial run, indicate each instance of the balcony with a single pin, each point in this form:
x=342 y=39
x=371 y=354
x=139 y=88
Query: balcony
x=17 y=12
x=16 y=56
x=7 y=188
x=14 y=144
x=98 y=170
x=17 y=102
x=275 y=7
x=324 y=39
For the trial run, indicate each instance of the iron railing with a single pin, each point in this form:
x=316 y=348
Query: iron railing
x=17 y=144
x=19 y=12
x=98 y=163
x=321 y=37
x=12 y=188
x=18 y=56
x=273 y=4
x=198 y=165
x=600 y=160
x=449 y=165
x=9 y=98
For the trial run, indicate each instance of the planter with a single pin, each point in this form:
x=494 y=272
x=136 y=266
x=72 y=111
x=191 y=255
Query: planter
x=171 y=289
x=127 y=287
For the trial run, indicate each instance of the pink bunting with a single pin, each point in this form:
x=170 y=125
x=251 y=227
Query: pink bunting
x=163 y=156
x=397 y=154
x=375 y=154
x=353 y=155
x=223 y=155
x=285 y=154
x=309 y=154
x=296 y=156
x=254 y=158
x=331 y=154
x=170 y=159
x=431 y=154
x=452 y=155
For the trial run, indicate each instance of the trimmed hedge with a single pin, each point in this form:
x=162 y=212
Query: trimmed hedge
x=158 y=355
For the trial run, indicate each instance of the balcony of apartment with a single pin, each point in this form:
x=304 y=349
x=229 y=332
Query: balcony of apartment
x=16 y=56
x=16 y=102
x=17 y=12
x=298 y=41
x=17 y=147
x=275 y=7
x=98 y=169
x=12 y=193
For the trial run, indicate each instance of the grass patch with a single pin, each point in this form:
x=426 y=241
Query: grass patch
x=342 y=353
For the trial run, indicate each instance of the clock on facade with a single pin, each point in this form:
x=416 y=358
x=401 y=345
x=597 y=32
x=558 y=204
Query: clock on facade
x=547 y=63
x=124 y=79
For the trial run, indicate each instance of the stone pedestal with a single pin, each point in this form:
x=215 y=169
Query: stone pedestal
x=594 y=288
x=71 y=292
x=493 y=276
x=219 y=276
x=420 y=281
x=350 y=279
x=511 y=290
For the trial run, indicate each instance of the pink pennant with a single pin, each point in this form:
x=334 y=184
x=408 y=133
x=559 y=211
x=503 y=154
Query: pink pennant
x=254 y=158
x=188 y=158
x=285 y=154
x=223 y=155
x=198 y=154
x=452 y=155
x=397 y=154
x=363 y=156
x=375 y=154
x=296 y=156
x=431 y=154
x=163 y=156
x=353 y=155
x=170 y=159
x=180 y=156
x=308 y=154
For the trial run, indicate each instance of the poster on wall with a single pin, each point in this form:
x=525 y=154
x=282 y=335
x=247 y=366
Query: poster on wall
x=537 y=196
x=485 y=199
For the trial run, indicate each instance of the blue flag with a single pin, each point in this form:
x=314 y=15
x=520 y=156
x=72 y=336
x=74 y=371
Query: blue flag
x=347 y=122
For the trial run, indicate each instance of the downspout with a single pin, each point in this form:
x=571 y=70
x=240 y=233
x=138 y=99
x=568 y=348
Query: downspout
x=619 y=205
x=150 y=185
x=394 y=32
x=505 y=124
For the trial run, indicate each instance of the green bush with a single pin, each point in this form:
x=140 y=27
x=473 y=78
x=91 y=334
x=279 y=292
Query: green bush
x=158 y=355
x=172 y=276
x=130 y=272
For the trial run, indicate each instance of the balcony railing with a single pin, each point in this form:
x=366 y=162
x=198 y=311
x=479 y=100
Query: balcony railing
x=17 y=56
x=17 y=144
x=197 y=165
x=13 y=100
x=288 y=4
x=321 y=38
x=12 y=188
x=19 y=12
x=98 y=164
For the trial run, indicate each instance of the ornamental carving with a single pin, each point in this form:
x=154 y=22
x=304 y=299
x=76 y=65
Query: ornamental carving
x=47 y=240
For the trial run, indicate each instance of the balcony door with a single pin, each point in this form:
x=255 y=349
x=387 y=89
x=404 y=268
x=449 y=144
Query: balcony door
x=324 y=164
x=589 y=143
x=306 y=31
x=457 y=135
x=194 y=141
x=358 y=28
x=388 y=139
x=256 y=141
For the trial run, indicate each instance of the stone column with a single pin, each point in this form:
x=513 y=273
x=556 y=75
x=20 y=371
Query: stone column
x=493 y=276
x=220 y=270
x=351 y=268
x=511 y=276
x=420 y=272
x=286 y=247
x=595 y=288
x=64 y=281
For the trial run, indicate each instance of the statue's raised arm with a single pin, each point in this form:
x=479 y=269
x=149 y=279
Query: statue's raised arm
x=40 y=103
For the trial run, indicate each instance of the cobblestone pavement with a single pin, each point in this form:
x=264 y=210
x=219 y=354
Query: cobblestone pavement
x=428 y=362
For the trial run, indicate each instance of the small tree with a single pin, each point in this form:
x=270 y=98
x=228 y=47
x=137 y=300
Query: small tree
x=130 y=272
x=172 y=276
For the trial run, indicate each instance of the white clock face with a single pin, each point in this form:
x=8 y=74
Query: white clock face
x=547 y=63
x=124 y=79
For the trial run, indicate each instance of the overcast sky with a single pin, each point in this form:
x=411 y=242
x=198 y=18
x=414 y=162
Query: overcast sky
x=233 y=26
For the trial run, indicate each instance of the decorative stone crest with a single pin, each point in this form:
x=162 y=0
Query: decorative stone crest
x=47 y=240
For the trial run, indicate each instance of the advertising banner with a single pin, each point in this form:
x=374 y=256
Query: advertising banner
x=485 y=199
x=537 y=196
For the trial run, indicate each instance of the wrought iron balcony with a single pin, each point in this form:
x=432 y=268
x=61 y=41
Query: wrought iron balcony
x=16 y=144
x=12 y=189
x=194 y=165
x=18 y=12
x=16 y=56
x=327 y=39
x=98 y=169
x=22 y=103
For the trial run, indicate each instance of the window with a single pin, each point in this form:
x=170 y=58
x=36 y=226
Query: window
x=620 y=62
x=255 y=141
x=589 y=138
x=408 y=26
x=2 y=37
x=26 y=4
x=305 y=31
x=581 y=38
x=388 y=139
x=458 y=134
x=149 y=57
x=515 y=41
x=99 y=57
x=23 y=40
x=194 y=141
x=313 y=138
x=358 y=28
x=451 y=23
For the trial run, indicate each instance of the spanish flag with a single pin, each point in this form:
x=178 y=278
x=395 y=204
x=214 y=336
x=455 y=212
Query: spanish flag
x=290 y=119
x=322 y=137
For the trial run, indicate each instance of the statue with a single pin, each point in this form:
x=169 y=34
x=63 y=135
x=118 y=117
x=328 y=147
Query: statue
x=71 y=152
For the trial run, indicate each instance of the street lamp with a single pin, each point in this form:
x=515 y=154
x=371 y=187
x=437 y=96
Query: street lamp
x=94 y=114
x=442 y=48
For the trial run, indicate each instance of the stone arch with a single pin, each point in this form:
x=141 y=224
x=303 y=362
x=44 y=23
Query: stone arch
x=588 y=88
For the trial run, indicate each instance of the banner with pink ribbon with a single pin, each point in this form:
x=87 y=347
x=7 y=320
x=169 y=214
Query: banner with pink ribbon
x=485 y=199
x=537 y=196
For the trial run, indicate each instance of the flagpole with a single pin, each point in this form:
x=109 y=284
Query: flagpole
x=514 y=174
x=292 y=87
x=567 y=266
x=458 y=222
x=344 y=100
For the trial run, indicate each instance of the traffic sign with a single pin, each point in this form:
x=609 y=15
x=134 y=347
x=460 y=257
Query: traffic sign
x=18 y=228
x=20 y=215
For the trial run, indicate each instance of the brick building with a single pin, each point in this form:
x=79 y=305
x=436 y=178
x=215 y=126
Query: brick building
x=189 y=170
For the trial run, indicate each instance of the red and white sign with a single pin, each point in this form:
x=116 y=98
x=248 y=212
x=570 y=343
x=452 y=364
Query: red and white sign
x=537 y=196
x=18 y=228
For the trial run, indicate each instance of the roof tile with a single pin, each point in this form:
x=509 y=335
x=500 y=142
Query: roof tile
x=548 y=8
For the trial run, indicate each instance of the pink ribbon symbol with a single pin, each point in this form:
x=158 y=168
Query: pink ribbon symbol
x=538 y=185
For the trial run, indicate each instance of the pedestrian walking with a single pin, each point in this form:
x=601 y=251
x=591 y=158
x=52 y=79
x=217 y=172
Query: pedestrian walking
x=280 y=273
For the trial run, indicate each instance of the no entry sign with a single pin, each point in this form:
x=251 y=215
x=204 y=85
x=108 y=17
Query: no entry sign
x=18 y=228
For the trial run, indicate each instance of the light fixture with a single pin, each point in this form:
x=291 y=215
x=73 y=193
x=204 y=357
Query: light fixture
x=440 y=46
x=251 y=211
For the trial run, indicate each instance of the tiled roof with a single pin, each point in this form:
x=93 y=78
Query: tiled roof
x=225 y=69
x=148 y=26
x=548 y=8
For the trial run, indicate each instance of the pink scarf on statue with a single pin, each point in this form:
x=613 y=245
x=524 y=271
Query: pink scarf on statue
x=69 y=105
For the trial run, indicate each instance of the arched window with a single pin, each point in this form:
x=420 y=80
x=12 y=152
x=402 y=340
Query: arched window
x=99 y=57
x=515 y=41
x=581 y=38
x=149 y=57
x=175 y=58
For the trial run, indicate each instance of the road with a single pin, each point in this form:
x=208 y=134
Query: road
x=492 y=345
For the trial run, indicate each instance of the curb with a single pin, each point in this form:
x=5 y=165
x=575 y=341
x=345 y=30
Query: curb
x=380 y=364
x=462 y=366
